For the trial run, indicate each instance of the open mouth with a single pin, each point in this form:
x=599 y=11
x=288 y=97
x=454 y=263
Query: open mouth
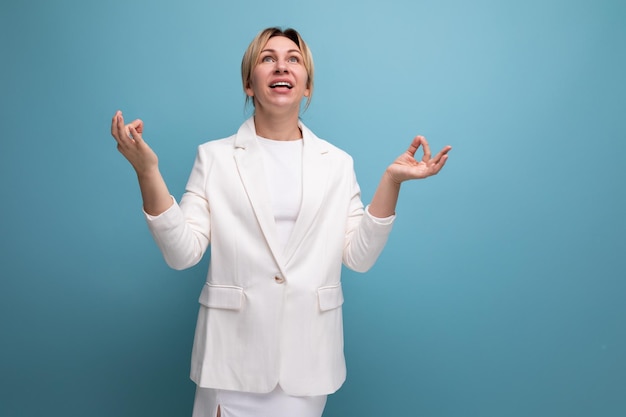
x=281 y=84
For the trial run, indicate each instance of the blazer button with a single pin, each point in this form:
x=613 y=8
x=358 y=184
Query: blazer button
x=278 y=279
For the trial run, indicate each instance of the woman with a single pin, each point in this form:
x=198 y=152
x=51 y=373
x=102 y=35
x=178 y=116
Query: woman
x=281 y=211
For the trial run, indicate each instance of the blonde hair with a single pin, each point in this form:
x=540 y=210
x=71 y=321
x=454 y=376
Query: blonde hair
x=251 y=57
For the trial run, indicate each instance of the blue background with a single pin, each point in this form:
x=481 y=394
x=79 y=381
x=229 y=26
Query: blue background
x=502 y=289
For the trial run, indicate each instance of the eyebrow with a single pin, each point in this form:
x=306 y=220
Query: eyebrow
x=289 y=51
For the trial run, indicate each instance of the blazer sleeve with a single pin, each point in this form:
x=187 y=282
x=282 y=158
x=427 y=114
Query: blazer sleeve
x=365 y=236
x=182 y=232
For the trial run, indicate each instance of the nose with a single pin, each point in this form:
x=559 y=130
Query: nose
x=281 y=66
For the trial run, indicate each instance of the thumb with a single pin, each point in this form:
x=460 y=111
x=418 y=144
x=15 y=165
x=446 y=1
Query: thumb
x=137 y=124
x=136 y=131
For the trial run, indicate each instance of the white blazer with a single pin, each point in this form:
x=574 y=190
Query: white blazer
x=268 y=316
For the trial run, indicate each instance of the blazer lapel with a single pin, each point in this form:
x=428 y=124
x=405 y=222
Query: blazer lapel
x=249 y=161
x=315 y=169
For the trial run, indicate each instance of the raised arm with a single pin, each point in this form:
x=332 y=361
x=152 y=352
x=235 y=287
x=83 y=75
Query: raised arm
x=404 y=168
x=154 y=192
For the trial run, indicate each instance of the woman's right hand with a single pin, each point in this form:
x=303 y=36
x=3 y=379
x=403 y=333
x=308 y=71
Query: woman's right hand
x=130 y=143
x=154 y=192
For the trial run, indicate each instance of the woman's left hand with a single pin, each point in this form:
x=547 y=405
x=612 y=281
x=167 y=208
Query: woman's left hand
x=407 y=167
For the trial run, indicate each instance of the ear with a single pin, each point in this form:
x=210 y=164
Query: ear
x=249 y=91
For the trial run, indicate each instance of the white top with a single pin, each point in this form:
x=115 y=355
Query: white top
x=283 y=168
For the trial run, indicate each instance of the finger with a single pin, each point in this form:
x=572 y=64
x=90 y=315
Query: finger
x=414 y=146
x=135 y=133
x=122 y=131
x=439 y=165
x=114 y=123
x=117 y=127
x=426 y=149
x=137 y=124
x=441 y=153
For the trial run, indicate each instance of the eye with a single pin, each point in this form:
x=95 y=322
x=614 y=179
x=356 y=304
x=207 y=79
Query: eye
x=267 y=58
x=293 y=59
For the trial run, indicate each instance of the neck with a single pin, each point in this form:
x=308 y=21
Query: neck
x=277 y=126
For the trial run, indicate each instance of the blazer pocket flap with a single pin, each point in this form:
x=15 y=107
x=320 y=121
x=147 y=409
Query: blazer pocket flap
x=330 y=297
x=221 y=296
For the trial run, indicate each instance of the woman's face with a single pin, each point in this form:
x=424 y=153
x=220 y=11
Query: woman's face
x=279 y=79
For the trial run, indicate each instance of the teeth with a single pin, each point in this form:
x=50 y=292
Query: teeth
x=281 y=84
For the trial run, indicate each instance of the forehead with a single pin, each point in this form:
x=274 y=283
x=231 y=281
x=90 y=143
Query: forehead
x=281 y=43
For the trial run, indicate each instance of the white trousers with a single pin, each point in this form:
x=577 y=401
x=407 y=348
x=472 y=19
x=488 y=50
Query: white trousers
x=245 y=404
